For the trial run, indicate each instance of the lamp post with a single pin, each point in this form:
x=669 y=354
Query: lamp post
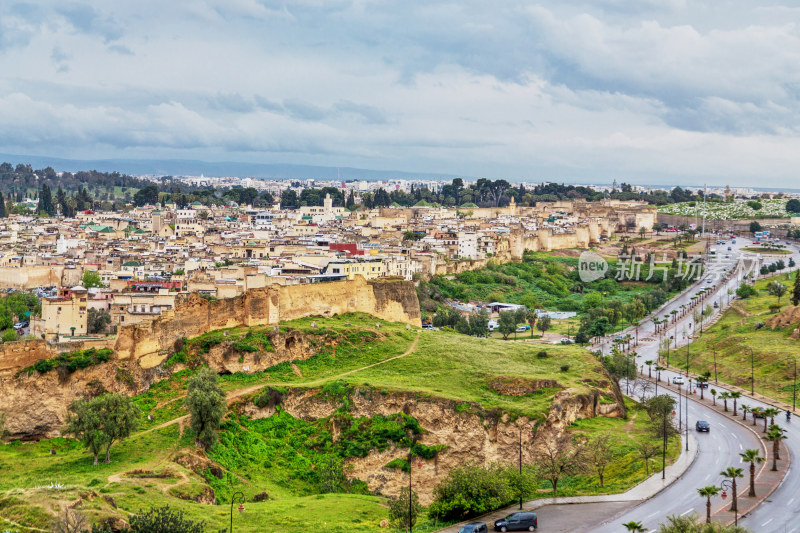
x=752 y=373
x=530 y=436
x=689 y=384
x=680 y=406
x=237 y=496
x=729 y=485
x=794 y=389
x=410 y=499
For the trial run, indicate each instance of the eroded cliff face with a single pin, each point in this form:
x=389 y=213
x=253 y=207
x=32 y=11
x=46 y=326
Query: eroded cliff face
x=471 y=435
x=36 y=404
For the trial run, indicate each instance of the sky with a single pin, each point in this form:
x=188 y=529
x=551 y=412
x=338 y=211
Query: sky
x=648 y=91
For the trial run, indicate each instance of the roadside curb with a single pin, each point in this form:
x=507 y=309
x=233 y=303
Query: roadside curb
x=764 y=447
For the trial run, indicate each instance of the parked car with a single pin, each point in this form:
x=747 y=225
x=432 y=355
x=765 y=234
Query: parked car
x=677 y=380
x=517 y=522
x=703 y=385
x=521 y=329
x=474 y=527
x=702 y=425
x=566 y=340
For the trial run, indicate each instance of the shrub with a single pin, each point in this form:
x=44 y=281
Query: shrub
x=542 y=354
x=469 y=491
x=565 y=368
x=398 y=464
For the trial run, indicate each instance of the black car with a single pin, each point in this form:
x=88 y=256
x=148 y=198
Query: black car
x=474 y=527
x=517 y=522
x=702 y=425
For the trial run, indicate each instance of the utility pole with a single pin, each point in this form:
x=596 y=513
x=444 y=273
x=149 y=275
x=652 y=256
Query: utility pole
x=752 y=374
x=716 y=381
x=520 y=467
x=687 y=414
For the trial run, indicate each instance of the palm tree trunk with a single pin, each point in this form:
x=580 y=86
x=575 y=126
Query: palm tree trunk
x=734 y=503
x=776 y=448
x=752 y=492
x=708 y=510
x=765 y=423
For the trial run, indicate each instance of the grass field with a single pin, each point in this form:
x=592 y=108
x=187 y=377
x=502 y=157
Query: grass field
x=736 y=336
x=276 y=455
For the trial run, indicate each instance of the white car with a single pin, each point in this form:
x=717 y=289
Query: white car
x=677 y=380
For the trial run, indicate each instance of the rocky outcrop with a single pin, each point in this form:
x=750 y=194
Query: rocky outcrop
x=35 y=405
x=788 y=317
x=471 y=434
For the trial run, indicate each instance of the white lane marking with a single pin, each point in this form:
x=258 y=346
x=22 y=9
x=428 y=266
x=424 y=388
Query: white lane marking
x=651 y=515
x=790 y=501
x=686 y=512
x=767 y=522
x=741 y=447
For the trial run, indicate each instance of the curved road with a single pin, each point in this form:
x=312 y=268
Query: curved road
x=720 y=447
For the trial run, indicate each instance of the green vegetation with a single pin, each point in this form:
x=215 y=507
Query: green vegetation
x=287 y=466
x=69 y=362
x=741 y=341
x=540 y=281
x=16 y=307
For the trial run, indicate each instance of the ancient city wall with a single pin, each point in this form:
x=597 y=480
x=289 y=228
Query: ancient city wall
x=36 y=276
x=393 y=300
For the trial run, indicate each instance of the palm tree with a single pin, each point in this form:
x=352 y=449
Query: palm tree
x=751 y=456
x=659 y=368
x=649 y=368
x=530 y=318
x=775 y=435
x=701 y=381
x=707 y=493
x=634 y=527
x=714 y=395
x=732 y=473
x=724 y=395
x=769 y=412
x=735 y=396
x=774 y=411
x=757 y=412
x=745 y=410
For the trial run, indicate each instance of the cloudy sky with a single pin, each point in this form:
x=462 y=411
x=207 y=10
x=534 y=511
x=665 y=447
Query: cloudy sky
x=664 y=91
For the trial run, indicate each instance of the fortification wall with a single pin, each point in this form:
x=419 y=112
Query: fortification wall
x=34 y=276
x=392 y=300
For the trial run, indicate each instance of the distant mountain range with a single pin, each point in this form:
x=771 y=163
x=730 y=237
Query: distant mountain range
x=187 y=167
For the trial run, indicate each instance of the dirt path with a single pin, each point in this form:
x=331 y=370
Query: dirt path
x=234 y=394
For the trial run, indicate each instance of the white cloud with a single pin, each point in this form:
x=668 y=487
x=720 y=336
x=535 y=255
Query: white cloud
x=590 y=90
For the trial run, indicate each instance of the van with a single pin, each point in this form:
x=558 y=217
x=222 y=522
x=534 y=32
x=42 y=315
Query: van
x=517 y=522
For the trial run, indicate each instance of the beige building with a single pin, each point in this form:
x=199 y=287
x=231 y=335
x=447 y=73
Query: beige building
x=65 y=316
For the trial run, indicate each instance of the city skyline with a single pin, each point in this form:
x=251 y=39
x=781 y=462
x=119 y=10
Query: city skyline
x=661 y=92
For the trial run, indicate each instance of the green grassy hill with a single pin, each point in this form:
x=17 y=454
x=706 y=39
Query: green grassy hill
x=284 y=459
x=742 y=332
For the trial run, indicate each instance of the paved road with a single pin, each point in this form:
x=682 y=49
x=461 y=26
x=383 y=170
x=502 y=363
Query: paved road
x=721 y=447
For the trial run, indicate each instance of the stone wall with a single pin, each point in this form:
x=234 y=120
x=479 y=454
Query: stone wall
x=388 y=299
x=38 y=276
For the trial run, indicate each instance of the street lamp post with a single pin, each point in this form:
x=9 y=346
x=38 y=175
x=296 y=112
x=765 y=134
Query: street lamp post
x=752 y=373
x=687 y=414
x=530 y=436
x=237 y=496
x=794 y=389
x=728 y=485
x=680 y=406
